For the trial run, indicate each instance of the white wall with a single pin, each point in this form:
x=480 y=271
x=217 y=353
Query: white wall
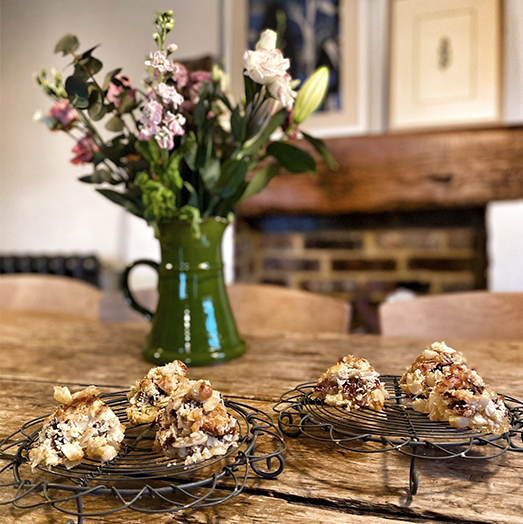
x=43 y=207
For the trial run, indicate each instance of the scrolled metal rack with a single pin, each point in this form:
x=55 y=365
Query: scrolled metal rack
x=397 y=428
x=139 y=479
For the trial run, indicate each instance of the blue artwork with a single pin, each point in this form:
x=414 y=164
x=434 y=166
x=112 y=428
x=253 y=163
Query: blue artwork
x=309 y=36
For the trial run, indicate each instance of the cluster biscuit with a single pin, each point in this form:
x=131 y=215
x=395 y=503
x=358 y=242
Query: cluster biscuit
x=153 y=392
x=440 y=384
x=83 y=426
x=193 y=423
x=352 y=383
x=426 y=371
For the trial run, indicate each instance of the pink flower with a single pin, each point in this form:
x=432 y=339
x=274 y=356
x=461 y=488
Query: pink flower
x=85 y=149
x=165 y=138
x=169 y=95
x=180 y=76
x=175 y=123
x=196 y=79
x=147 y=131
x=160 y=61
x=115 y=91
x=152 y=112
x=199 y=77
x=64 y=113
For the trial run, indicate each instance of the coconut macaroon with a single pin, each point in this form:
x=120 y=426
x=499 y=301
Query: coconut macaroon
x=426 y=371
x=352 y=383
x=151 y=394
x=83 y=426
x=462 y=398
x=195 y=424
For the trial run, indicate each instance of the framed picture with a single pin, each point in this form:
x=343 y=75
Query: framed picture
x=314 y=33
x=445 y=63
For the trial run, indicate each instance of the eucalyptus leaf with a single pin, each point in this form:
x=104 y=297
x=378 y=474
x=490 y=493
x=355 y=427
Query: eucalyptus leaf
x=88 y=179
x=88 y=53
x=99 y=157
x=115 y=124
x=109 y=77
x=96 y=109
x=90 y=65
x=100 y=176
x=76 y=87
x=113 y=150
x=127 y=104
x=292 y=158
x=79 y=102
x=123 y=200
x=67 y=45
x=49 y=121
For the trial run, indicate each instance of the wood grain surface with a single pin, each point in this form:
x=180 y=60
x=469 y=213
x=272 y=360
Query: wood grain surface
x=321 y=482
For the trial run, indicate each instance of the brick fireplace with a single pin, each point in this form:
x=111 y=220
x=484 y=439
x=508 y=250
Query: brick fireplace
x=403 y=211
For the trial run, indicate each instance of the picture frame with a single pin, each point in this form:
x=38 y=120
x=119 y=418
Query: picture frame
x=348 y=110
x=445 y=63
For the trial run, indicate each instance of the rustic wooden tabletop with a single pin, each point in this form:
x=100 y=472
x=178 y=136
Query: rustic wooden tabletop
x=321 y=482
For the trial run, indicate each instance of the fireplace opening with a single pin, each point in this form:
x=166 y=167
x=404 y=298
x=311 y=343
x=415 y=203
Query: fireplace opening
x=365 y=258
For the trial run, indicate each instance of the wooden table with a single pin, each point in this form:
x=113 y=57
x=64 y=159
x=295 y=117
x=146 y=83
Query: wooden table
x=320 y=482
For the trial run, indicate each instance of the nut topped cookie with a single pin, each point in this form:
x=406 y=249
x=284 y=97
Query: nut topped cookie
x=195 y=424
x=352 y=383
x=154 y=391
x=462 y=398
x=83 y=426
x=426 y=371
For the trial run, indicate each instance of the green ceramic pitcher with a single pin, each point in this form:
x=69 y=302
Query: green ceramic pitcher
x=193 y=321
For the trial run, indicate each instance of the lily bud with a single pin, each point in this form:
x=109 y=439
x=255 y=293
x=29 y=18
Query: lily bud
x=267 y=40
x=311 y=95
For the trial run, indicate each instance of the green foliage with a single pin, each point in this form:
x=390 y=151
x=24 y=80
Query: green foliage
x=292 y=158
x=67 y=45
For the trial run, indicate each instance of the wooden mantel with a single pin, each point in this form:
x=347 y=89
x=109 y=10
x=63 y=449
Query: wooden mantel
x=451 y=168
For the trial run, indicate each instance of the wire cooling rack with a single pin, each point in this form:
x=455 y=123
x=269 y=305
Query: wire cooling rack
x=139 y=479
x=398 y=427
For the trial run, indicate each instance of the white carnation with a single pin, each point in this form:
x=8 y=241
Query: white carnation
x=264 y=65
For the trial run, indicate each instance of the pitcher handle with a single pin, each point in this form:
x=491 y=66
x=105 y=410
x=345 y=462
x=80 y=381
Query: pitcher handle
x=128 y=296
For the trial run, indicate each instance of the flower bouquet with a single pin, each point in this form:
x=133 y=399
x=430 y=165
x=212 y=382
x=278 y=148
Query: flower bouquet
x=182 y=152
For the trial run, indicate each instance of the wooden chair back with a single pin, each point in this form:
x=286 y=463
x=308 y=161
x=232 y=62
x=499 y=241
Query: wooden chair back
x=277 y=309
x=49 y=294
x=257 y=308
x=475 y=314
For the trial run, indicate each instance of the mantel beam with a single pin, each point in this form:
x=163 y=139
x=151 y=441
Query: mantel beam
x=452 y=168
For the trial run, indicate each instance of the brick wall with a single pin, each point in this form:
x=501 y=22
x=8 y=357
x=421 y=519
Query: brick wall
x=364 y=257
